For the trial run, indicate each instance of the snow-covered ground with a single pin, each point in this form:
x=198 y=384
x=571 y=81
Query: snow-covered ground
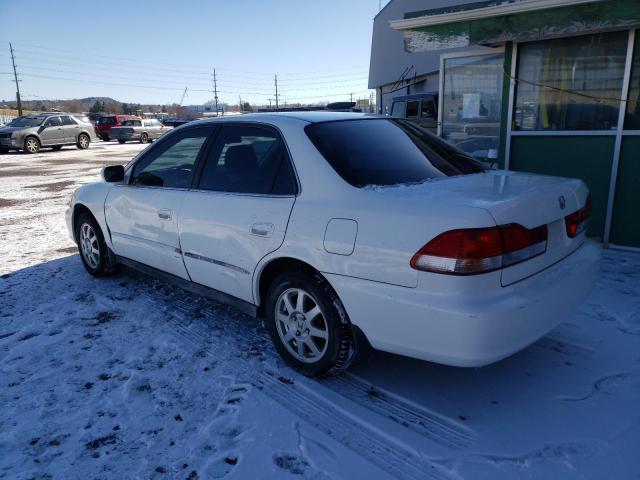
x=130 y=378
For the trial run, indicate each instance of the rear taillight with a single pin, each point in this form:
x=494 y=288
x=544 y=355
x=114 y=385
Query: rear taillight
x=479 y=250
x=577 y=222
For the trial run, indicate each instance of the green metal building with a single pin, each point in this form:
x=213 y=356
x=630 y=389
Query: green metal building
x=547 y=86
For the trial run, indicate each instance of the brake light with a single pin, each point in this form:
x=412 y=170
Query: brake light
x=480 y=250
x=577 y=222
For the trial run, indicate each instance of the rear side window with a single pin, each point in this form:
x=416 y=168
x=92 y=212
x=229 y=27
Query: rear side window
x=67 y=120
x=387 y=151
x=132 y=123
x=53 y=122
x=412 y=109
x=428 y=109
x=248 y=159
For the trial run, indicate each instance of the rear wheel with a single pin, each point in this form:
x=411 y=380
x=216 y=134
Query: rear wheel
x=144 y=138
x=83 y=141
x=96 y=257
x=308 y=324
x=31 y=145
x=121 y=141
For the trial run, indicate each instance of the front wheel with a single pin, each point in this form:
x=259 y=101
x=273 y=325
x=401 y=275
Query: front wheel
x=32 y=145
x=308 y=324
x=83 y=141
x=96 y=257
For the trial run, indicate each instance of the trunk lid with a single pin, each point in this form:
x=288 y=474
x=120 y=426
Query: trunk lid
x=513 y=197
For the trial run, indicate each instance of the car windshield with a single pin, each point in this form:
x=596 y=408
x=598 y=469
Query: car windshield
x=26 y=122
x=385 y=151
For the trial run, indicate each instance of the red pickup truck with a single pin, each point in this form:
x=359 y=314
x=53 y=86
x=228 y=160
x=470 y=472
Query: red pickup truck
x=106 y=122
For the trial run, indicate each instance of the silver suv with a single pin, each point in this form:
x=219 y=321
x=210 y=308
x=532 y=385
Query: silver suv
x=31 y=132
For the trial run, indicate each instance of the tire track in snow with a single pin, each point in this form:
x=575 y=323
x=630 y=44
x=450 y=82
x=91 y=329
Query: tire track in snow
x=380 y=450
x=433 y=426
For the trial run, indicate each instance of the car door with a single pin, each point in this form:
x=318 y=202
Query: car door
x=52 y=132
x=239 y=210
x=70 y=129
x=142 y=212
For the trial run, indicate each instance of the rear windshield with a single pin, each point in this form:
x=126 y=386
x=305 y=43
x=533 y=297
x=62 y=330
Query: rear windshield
x=107 y=120
x=386 y=151
x=26 y=121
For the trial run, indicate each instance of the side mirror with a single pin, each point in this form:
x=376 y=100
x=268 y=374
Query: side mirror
x=113 y=173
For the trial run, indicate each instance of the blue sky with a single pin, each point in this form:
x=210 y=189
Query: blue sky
x=147 y=52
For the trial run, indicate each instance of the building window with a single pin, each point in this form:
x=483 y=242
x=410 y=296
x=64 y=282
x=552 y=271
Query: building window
x=570 y=83
x=472 y=102
x=632 y=119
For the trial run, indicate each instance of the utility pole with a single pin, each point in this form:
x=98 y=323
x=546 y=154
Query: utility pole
x=351 y=97
x=15 y=76
x=240 y=103
x=215 y=90
x=276 y=81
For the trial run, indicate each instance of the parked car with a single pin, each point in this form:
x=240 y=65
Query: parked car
x=105 y=123
x=32 y=132
x=421 y=108
x=345 y=230
x=143 y=130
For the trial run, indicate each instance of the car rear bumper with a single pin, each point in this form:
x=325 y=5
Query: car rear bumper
x=469 y=330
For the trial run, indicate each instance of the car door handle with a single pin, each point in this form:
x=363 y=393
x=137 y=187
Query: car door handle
x=164 y=214
x=262 y=229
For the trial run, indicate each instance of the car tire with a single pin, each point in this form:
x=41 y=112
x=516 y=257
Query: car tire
x=31 y=145
x=106 y=138
x=83 y=141
x=312 y=333
x=144 y=138
x=121 y=141
x=57 y=147
x=96 y=256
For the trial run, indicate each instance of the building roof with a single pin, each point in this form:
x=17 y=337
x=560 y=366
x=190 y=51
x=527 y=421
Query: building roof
x=389 y=58
x=477 y=10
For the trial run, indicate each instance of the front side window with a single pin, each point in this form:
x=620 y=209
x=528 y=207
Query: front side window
x=171 y=163
x=53 y=122
x=247 y=159
x=398 y=109
x=632 y=119
x=387 y=152
x=571 y=83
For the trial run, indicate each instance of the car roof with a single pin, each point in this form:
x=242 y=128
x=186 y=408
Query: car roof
x=309 y=117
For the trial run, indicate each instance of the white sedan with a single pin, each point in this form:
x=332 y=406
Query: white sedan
x=346 y=231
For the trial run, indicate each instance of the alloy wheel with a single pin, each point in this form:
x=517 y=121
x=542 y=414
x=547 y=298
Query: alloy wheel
x=89 y=245
x=301 y=325
x=83 y=141
x=32 y=145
